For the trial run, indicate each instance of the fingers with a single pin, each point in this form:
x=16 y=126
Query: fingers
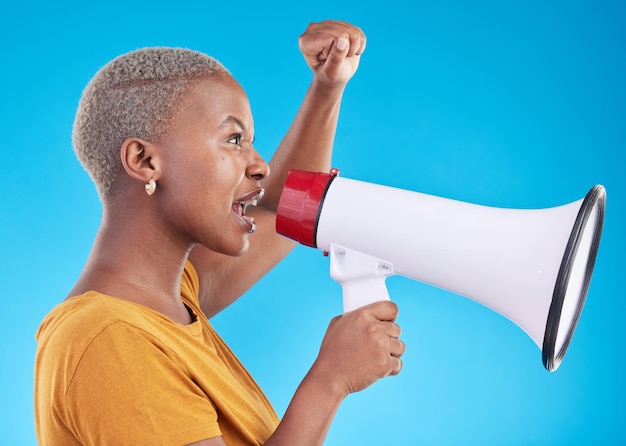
x=396 y=366
x=396 y=347
x=321 y=37
x=386 y=313
x=393 y=330
x=355 y=36
x=357 y=42
x=332 y=49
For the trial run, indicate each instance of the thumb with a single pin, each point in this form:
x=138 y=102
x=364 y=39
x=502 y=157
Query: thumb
x=331 y=62
x=338 y=48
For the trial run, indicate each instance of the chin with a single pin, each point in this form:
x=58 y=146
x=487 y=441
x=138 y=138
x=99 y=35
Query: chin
x=231 y=247
x=240 y=251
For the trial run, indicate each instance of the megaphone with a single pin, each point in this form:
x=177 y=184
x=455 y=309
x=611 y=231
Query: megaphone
x=532 y=266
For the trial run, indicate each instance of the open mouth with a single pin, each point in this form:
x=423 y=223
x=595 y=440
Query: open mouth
x=241 y=205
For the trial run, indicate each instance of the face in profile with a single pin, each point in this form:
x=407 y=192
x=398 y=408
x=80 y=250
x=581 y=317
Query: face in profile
x=210 y=170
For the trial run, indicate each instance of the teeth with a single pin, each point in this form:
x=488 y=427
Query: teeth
x=253 y=201
x=259 y=195
x=252 y=225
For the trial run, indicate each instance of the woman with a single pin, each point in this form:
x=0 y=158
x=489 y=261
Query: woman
x=187 y=227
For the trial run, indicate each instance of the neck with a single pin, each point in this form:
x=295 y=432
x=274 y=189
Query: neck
x=133 y=258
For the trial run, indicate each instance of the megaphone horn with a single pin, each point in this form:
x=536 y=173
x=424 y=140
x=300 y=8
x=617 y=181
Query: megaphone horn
x=532 y=266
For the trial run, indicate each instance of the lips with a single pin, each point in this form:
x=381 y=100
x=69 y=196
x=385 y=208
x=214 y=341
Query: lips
x=240 y=206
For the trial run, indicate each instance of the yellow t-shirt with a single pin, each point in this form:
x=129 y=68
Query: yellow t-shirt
x=112 y=372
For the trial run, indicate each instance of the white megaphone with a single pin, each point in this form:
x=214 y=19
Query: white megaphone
x=532 y=266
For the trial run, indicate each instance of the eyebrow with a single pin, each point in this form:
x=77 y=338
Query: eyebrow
x=237 y=121
x=231 y=119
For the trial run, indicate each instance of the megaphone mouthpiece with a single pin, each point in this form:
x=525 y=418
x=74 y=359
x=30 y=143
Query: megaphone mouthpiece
x=300 y=205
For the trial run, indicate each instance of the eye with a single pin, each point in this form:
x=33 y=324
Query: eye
x=236 y=138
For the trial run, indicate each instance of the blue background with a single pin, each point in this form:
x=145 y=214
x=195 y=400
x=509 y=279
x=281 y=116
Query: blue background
x=514 y=104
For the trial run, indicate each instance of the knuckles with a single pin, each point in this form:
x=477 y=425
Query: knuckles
x=364 y=345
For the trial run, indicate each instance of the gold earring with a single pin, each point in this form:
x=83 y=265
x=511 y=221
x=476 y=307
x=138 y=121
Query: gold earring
x=150 y=186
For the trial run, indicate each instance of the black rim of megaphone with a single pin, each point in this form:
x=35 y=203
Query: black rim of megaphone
x=551 y=358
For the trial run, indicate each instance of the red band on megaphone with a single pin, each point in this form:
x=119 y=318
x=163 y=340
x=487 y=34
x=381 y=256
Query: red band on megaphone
x=300 y=205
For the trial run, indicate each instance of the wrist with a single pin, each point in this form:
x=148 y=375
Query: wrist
x=326 y=89
x=326 y=383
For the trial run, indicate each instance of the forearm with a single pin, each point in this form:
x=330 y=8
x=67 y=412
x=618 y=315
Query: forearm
x=309 y=142
x=310 y=413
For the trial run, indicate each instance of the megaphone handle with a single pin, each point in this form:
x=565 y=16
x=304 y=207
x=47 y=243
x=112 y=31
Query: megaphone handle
x=362 y=277
x=358 y=293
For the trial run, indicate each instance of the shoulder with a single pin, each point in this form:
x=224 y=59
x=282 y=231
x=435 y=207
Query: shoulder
x=86 y=314
x=73 y=326
x=67 y=332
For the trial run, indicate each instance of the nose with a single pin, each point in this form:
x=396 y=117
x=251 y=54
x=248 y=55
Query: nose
x=257 y=168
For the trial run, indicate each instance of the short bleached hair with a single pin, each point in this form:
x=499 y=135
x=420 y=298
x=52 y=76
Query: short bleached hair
x=134 y=95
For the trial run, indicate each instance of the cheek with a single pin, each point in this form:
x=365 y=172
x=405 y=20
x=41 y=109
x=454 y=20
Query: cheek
x=209 y=181
x=227 y=172
x=217 y=188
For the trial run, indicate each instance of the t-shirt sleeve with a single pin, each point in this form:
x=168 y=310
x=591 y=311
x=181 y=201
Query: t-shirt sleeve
x=129 y=390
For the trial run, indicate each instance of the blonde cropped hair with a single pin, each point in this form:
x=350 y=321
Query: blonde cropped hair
x=134 y=95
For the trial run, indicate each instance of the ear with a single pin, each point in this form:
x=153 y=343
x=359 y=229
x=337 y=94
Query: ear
x=141 y=159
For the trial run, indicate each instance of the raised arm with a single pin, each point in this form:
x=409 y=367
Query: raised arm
x=332 y=50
